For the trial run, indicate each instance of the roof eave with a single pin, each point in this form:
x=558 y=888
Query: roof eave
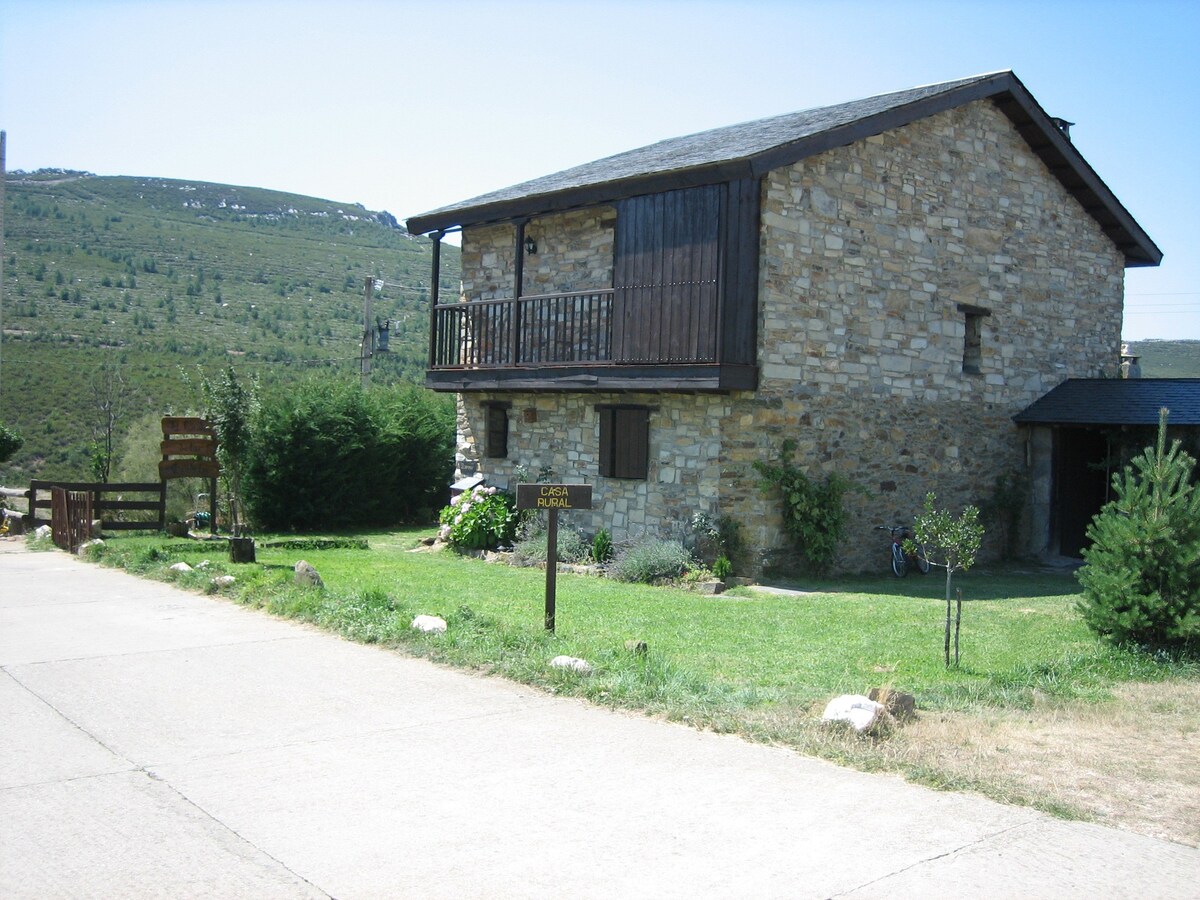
x=1045 y=139
x=574 y=198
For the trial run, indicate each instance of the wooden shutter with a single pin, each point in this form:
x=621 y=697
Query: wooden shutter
x=665 y=276
x=624 y=441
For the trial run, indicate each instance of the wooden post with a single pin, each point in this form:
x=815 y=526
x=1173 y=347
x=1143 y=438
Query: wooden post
x=368 y=335
x=957 y=624
x=551 y=568
x=3 y=178
x=518 y=287
x=434 y=296
x=552 y=498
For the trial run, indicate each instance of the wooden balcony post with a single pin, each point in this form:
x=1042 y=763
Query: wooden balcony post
x=436 y=237
x=518 y=285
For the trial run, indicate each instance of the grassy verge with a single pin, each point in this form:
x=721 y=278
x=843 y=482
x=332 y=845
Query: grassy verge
x=756 y=664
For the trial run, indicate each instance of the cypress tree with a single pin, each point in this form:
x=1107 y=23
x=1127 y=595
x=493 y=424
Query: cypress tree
x=1141 y=580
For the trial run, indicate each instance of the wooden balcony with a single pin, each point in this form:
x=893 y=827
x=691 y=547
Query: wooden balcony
x=587 y=340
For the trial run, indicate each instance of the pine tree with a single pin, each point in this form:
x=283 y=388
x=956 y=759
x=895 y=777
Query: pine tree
x=1141 y=581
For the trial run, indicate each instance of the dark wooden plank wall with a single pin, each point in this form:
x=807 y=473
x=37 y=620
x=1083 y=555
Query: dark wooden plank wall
x=685 y=275
x=739 y=272
x=665 y=276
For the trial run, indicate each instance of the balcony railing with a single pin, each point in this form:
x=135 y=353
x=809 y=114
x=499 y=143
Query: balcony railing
x=536 y=330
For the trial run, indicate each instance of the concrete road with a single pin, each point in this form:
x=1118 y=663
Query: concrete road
x=157 y=743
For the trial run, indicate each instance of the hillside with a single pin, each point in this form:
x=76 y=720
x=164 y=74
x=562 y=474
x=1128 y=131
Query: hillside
x=157 y=277
x=1168 y=359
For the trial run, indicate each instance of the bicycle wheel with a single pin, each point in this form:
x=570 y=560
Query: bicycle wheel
x=922 y=560
x=899 y=563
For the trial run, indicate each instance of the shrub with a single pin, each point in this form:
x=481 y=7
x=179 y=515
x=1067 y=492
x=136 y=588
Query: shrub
x=813 y=515
x=572 y=546
x=10 y=442
x=1141 y=581
x=482 y=518
x=602 y=546
x=651 y=560
x=329 y=454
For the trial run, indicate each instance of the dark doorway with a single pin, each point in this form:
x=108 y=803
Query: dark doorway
x=1080 y=484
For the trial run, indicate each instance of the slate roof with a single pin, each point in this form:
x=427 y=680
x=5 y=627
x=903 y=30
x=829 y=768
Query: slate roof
x=1116 y=401
x=751 y=149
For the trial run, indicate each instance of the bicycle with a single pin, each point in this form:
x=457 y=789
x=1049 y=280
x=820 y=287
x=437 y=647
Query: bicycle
x=904 y=559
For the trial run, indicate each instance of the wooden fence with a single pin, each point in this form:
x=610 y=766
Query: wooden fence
x=71 y=518
x=108 y=502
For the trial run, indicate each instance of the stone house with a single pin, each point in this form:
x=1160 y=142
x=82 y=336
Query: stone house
x=885 y=283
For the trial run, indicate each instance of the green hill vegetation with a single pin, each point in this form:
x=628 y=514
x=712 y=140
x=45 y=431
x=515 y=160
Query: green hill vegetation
x=125 y=288
x=1168 y=359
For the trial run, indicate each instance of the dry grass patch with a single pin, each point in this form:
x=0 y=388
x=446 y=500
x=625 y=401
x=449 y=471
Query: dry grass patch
x=1130 y=762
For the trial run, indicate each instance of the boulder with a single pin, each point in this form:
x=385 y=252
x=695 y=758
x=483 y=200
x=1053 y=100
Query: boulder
x=43 y=533
x=180 y=567
x=862 y=713
x=429 y=624
x=571 y=663
x=223 y=581
x=711 y=588
x=306 y=574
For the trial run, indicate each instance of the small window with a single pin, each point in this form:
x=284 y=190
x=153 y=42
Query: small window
x=973 y=338
x=496 y=439
x=624 y=441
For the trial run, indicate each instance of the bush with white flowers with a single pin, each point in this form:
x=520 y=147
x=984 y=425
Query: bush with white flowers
x=482 y=518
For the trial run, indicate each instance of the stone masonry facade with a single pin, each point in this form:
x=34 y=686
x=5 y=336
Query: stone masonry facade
x=873 y=259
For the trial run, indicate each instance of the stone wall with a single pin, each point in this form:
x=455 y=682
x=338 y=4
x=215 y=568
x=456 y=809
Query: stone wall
x=867 y=252
x=561 y=431
x=574 y=253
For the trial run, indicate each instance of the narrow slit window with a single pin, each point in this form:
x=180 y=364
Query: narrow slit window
x=972 y=359
x=496 y=430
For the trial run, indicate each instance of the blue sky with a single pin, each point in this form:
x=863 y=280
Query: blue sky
x=409 y=106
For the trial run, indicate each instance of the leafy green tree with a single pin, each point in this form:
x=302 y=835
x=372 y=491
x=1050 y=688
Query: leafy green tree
x=10 y=442
x=111 y=397
x=230 y=404
x=1141 y=580
x=950 y=543
x=329 y=454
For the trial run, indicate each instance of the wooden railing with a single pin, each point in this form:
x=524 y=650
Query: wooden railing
x=536 y=330
x=107 y=509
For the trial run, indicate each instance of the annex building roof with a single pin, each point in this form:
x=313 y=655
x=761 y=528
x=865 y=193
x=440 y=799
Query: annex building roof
x=1116 y=401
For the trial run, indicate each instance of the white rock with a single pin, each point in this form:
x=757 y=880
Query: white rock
x=43 y=533
x=181 y=567
x=574 y=663
x=203 y=564
x=861 y=712
x=224 y=580
x=429 y=624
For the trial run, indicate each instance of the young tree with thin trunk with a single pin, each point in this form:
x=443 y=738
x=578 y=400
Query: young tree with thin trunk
x=950 y=543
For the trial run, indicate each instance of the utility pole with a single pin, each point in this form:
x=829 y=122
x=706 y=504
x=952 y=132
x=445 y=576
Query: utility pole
x=3 y=179
x=368 y=341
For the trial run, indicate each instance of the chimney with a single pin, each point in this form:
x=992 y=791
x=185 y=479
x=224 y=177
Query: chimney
x=1130 y=363
x=1063 y=125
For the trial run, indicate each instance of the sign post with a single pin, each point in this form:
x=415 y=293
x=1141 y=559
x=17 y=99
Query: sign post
x=552 y=498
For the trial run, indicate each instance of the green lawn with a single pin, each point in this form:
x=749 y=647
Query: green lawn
x=710 y=657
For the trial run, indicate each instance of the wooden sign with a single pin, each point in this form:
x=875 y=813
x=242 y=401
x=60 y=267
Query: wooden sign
x=188 y=468
x=554 y=496
x=186 y=425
